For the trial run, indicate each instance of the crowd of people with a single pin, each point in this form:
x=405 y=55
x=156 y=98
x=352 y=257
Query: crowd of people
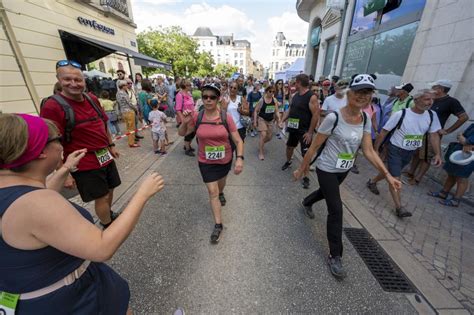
x=49 y=244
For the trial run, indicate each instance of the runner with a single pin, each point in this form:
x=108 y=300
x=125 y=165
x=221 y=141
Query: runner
x=214 y=133
x=280 y=97
x=408 y=126
x=252 y=99
x=340 y=135
x=337 y=100
x=266 y=112
x=303 y=117
x=235 y=104
x=52 y=253
x=185 y=102
x=97 y=174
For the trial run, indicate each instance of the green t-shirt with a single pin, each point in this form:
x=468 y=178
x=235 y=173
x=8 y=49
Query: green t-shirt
x=399 y=104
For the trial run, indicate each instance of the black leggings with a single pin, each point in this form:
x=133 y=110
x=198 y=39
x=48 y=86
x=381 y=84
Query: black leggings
x=190 y=137
x=329 y=190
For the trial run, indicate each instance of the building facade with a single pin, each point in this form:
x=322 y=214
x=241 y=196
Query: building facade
x=284 y=53
x=225 y=49
x=415 y=41
x=36 y=34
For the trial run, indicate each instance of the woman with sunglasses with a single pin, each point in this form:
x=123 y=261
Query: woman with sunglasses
x=340 y=135
x=52 y=253
x=214 y=149
x=235 y=105
x=264 y=115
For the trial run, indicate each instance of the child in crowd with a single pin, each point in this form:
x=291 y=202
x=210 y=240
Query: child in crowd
x=157 y=118
x=109 y=108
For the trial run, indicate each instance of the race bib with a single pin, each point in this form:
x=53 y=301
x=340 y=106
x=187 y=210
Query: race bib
x=293 y=123
x=269 y=109
x=411 y=142
x=8 y=303
x=103 y=156
x=215 y=153
x=345 y=161
x=281 y=109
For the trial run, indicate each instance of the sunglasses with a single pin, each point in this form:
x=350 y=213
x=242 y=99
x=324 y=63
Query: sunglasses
x=64 y=63
x=57 y=138
x=209 y=97
x=271 y=92
x=233 y=88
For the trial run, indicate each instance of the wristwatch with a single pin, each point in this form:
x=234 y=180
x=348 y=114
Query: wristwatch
x=111 y=145
x=240 y=156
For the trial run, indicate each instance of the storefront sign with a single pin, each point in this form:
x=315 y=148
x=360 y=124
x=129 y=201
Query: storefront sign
x=373 y=6
x=118 y=5
x=315 y=36
x=95 y=25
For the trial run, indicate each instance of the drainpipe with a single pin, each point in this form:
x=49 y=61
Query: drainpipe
x=20 y=60
x=339 y=38
x=349 y=8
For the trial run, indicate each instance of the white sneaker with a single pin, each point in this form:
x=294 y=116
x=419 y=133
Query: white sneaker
x=312 y=168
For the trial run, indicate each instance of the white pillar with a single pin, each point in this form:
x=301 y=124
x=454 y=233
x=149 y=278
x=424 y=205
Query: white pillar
x=345 y=35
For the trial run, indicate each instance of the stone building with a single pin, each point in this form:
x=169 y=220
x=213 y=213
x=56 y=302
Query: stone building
x=225 y=49
x=284 y=53
x=36 y=34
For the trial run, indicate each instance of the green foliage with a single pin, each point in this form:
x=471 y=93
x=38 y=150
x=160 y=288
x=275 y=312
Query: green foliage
x=225 y=70
x=196 y=94
x=172 y=45
x=112 y=71
x=91 y=66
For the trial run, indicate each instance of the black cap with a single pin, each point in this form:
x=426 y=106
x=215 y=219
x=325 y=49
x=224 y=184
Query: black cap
x=408 y=87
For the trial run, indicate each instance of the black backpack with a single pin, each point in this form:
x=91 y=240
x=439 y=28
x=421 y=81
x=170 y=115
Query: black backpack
x=69 y=113
x=321 y=148
x=223 y=122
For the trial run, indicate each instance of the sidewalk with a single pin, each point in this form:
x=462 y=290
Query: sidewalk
x=439 y=237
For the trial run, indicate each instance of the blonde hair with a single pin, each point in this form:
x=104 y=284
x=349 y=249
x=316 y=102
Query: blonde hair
x=14 y=136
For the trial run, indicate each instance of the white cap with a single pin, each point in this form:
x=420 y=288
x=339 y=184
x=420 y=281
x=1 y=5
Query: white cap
x=443 y=82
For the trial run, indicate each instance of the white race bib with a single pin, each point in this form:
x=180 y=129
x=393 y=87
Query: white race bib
x=345 y=161
x=103 y=156
x=215 y=153
x=269 y=109
x=293 y=123
x=411 y=142
x=8 y=303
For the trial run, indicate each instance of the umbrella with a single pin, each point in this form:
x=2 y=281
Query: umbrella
x=96 y=73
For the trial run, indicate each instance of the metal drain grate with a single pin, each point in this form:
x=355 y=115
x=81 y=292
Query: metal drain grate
x=387 y=273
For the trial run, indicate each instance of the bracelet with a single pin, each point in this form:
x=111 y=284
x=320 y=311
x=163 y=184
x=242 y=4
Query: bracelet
x=70 y=169
x=111 y=145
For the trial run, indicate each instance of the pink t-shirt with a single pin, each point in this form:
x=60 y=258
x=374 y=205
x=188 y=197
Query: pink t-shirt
x=214 y=136
x=186 y=104
x=370 y=110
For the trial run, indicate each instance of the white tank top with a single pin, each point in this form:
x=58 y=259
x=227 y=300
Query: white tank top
x=232 y=110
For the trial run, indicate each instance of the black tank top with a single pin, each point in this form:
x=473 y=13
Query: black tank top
x=267 y=111
x=300 y=114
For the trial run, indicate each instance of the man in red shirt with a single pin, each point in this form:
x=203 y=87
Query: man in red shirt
x=96 y=175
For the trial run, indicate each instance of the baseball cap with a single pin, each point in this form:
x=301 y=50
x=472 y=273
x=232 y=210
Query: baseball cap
x=408 y=87
x=442 y=82
x=212 y=86
x=362 y=81
x=342 y=84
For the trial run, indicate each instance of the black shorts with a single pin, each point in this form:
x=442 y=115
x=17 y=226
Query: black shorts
x=295 y=137
x=214 y=172
x=190 y=137
x=94 y=184
x=242 y=133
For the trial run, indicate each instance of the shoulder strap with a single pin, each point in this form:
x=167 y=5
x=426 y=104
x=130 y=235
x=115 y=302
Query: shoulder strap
x=68 y=116
x=335 y=122
x=400 y=121
x=199 y=119
x=94 y=105
x=430 y=112
x=410 y=100
x=364 y=118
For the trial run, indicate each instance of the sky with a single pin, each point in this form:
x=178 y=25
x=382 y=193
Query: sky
x=257 y=21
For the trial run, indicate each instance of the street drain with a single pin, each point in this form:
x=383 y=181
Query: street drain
x=387 y=273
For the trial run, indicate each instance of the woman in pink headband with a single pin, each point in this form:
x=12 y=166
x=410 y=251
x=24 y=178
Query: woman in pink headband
x=51 y=252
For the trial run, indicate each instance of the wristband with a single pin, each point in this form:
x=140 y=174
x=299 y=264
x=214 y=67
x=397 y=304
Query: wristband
x=240 y=156
x=111 y=145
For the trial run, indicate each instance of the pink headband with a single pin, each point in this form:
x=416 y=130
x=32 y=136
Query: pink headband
x=37 y=138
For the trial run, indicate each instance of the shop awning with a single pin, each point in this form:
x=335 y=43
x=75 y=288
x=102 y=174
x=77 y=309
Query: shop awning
x=85 y=50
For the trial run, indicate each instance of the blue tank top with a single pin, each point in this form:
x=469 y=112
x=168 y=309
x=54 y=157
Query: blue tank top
x=23 y=271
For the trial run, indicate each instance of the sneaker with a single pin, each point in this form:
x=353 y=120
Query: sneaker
x=312 y=168
x=278 y=135
x=163 y=153
x=335 y=266
x=157 y=152
x=305 y=182
x=135 y=145
x=216 y=234
x=402 y=213
x=354 y=169
x=179 y=311
x=286 y=165
x=373 y=187
x=252 y=134
x=137 y=136
x=222 y=199
x=189 y=153
x=114 y=215
x=308 y=210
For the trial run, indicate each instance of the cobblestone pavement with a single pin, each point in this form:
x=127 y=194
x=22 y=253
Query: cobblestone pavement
x=440 y=237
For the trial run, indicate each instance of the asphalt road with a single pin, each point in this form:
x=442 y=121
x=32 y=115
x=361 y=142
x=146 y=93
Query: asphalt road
x=271 y=258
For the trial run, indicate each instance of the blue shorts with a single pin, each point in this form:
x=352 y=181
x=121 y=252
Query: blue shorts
x=397 y=159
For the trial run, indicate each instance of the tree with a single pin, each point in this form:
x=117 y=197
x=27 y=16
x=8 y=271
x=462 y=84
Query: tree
x=204 y=64
x=225 y=70
x=171 y=45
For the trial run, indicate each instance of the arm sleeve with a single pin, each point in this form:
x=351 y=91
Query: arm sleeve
x=52 y=111
x=327 y=124
x=368 y=124
x=456 y=108
x=325 y=105
x=392 y=121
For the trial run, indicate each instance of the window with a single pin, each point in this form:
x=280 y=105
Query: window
x=405 y=8
x=102 y=66
x=241 y=55
x=120 y=65
x=276 y=65
x=241 y=62
x=287 y=53
x=212 y=44
x=357 y=56
x=235 y=62
x=236 y=55
x=273 y=52
x=331 y=47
